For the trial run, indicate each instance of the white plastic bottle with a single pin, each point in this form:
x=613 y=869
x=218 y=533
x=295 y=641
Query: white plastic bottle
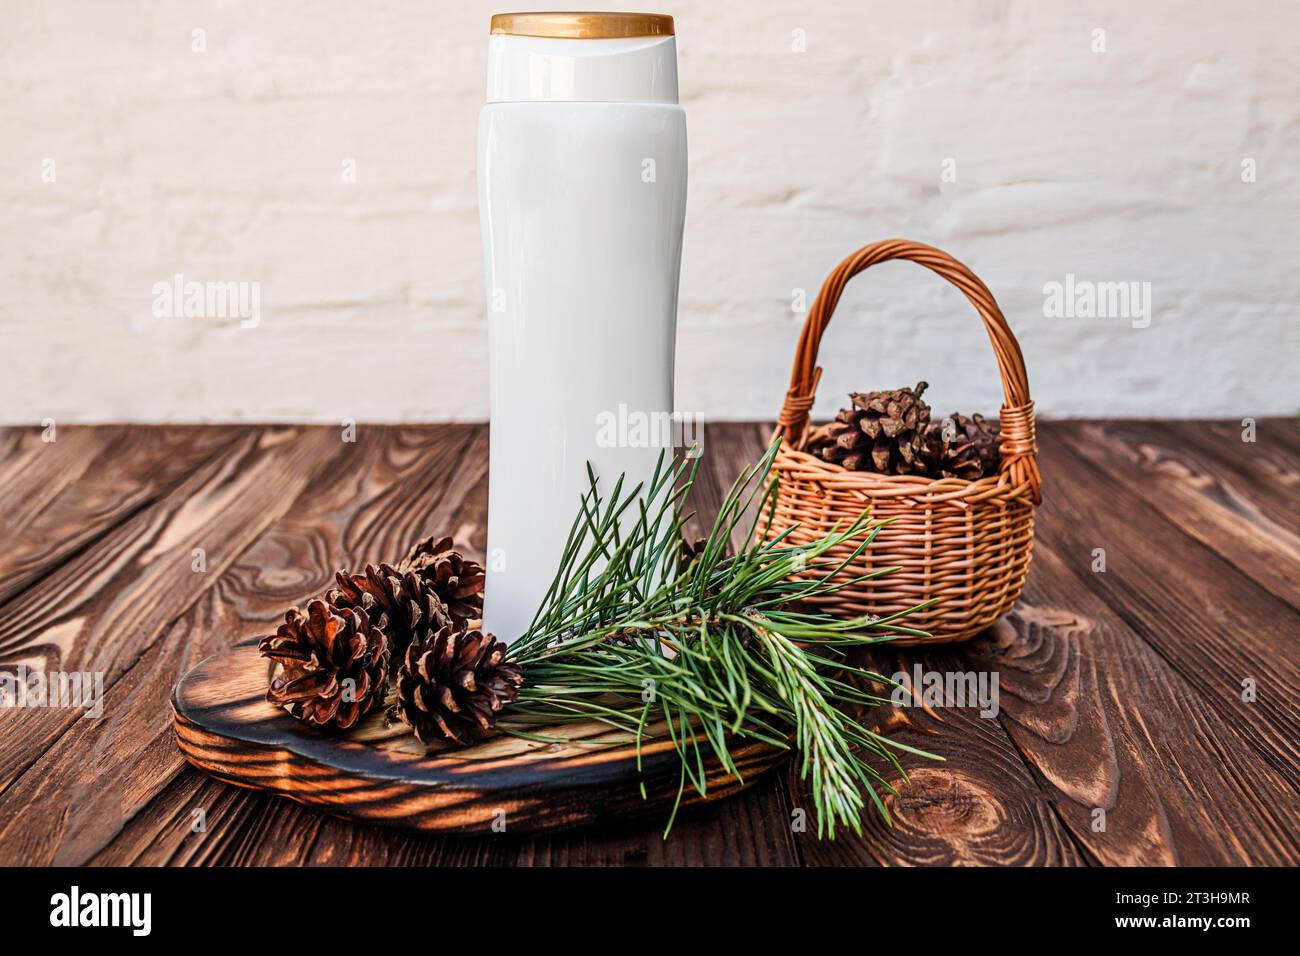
x=582 y=196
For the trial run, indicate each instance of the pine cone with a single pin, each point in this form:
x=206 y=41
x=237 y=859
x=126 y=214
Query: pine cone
x=883 y=432
x=689 y=553
x=961 y=447
x=955 y=458
x=986 y=438
x=409 y=602
x=457 y=580
x=452 y=685
x=334 y=664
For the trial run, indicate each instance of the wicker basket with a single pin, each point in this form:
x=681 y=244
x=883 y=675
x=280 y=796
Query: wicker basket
x=964 y=544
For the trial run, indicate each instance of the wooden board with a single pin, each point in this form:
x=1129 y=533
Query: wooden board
x=379 y=772
x=1114 y=697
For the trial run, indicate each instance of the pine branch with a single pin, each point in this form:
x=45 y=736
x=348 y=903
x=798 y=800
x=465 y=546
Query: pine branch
x=717 y=652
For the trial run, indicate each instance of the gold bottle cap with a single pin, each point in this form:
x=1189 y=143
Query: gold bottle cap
x=583 y=26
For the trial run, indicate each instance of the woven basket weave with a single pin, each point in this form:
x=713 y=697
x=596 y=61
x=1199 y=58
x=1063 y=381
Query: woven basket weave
x=964 y=544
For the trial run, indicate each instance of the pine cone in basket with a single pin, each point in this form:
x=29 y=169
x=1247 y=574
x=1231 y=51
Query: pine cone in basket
x=985 y=436
x=333 y=664
x=689 y=553
x=411 y=604
x=457 y=580
x=961 y=447
x=453 y=684
x=883 y=432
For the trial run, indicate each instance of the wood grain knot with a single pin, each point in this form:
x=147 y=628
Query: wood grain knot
x=948 y=802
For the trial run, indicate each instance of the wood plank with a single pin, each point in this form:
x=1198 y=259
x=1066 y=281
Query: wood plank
x=695 y=835
x=248 y=590
x=1202 y=496
x=371 y=500
x=734 y=833
x=562 y=847
x=96 y=775
x=33 y=471
x=1212 y=623
x=1067 y=666
x=979 y=807
x=1280 y=433
x=56 y=498
x=1141 y=770
x=751 y=828
x=11 y=437
x=1267 y=470
x=103 y=610
x=1081 y=653
x=163 y=832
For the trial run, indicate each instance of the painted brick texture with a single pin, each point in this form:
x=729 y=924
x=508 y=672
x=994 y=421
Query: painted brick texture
x=996 y=130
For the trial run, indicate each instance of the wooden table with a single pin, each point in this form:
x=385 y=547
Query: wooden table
x=1128 y=731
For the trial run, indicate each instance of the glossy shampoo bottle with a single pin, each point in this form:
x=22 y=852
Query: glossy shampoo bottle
x=582 y=196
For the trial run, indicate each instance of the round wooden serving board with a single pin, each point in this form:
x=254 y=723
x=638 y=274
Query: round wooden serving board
x=381 y=773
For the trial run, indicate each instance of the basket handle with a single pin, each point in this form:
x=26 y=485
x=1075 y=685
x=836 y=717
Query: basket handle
x=1019 y=453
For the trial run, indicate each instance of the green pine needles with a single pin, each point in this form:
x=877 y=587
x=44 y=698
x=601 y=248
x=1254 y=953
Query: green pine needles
x=712 y=653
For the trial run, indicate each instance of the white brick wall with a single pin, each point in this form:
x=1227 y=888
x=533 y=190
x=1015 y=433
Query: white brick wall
x=226 y=165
